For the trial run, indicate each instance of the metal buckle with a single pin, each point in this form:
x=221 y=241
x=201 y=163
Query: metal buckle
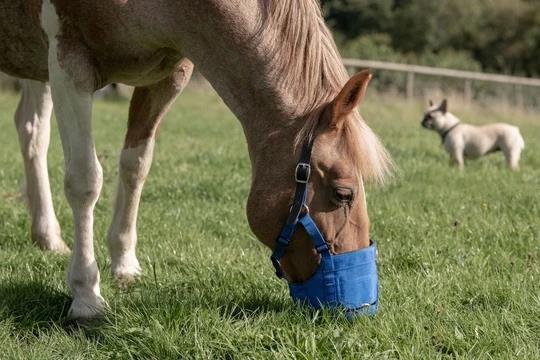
x=304 y=206
x=322 y=248
x=299 y=167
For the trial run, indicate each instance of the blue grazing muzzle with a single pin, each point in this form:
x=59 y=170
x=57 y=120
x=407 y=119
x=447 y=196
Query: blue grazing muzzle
x=347 y=281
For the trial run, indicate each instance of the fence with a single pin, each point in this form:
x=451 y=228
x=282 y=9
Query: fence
x=467 y=76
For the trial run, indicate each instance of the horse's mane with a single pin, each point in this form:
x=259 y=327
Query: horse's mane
x=303 y=52
x=304 y=58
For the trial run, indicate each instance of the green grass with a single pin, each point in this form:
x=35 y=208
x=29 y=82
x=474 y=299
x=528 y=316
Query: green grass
x=459 y=253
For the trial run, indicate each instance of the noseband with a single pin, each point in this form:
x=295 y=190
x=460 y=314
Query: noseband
x=349 y=280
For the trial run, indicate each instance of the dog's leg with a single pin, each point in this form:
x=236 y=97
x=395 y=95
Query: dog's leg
x=456 y=158
x=512 y=158
x=32 y=120
x=512 y=145
x=148 y=107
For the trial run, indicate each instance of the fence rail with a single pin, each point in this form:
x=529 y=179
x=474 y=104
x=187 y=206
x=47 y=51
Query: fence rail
x=468 y=76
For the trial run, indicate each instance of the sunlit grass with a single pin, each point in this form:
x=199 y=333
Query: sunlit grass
x=458 y=251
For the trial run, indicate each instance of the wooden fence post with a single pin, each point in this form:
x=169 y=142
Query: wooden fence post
x=410 y=85
x=519 y=97
x=468 y=91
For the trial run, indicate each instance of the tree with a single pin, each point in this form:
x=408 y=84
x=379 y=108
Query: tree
x=501 y=35
x=353 y=18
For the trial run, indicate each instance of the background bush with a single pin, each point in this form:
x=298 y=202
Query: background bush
x=500 y=36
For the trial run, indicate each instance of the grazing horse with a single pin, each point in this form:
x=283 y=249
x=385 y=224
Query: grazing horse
x=275 y=65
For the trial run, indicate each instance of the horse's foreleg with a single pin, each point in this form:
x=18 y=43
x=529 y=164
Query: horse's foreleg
x=148 y=107
x=71 y=75
x=82 y=185
x=32 y=120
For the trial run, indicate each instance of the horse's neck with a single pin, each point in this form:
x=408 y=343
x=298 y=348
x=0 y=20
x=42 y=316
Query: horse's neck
x=227 y=51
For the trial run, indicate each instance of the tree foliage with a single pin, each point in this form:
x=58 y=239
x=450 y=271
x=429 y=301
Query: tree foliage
x=494 y=35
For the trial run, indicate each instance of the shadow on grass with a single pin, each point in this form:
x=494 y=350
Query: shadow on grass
x=33 y=311
x=32 y=305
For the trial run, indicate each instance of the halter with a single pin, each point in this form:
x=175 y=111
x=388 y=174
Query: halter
x=301 y=177
x=347 y=280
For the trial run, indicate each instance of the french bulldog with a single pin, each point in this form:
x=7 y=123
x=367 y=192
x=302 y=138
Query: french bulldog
x=465 y=141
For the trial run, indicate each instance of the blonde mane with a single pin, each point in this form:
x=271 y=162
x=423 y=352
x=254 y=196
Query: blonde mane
x=303 y=56
x=303 y=53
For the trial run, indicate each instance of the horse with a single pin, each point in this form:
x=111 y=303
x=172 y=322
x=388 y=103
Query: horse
x=275 y=65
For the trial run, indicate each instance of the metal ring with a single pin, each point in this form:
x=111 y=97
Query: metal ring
x=303 y=205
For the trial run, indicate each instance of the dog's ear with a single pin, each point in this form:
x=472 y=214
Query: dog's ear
x=430 y=103
x=444 y=106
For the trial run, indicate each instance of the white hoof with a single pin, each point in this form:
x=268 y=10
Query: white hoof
x=126 y=272
x=50 y=242
x=88 y=309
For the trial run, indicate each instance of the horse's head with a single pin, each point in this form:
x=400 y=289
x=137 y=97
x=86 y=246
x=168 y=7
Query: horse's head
x=345 y=152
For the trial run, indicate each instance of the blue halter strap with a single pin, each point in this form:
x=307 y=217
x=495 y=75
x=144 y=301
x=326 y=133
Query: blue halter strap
x=296 y=214
x=346 y=280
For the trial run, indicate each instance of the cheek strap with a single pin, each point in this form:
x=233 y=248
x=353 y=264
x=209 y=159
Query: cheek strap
x=299 y=212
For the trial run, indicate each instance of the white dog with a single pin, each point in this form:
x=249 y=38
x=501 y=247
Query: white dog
x=468 y=141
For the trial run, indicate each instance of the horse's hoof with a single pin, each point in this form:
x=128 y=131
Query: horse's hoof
x=125 y=279
x=87 y=311
x=52 y=243
x=59 y=248
x=126 y=274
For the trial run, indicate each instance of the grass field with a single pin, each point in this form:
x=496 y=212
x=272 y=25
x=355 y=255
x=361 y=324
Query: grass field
x=459 y=253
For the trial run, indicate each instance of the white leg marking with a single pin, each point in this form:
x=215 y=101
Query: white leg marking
x=122 y=237
x=32 y=120
x=83 y=176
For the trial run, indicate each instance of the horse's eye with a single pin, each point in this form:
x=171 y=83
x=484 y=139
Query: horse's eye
x=343 y=195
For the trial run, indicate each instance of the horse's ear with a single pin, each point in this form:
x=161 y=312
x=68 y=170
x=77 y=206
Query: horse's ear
x=349 y=97
x=444 y=106
x=430 y=103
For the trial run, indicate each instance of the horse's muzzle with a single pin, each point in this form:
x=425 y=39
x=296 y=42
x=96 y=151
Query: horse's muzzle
x=348 y=281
